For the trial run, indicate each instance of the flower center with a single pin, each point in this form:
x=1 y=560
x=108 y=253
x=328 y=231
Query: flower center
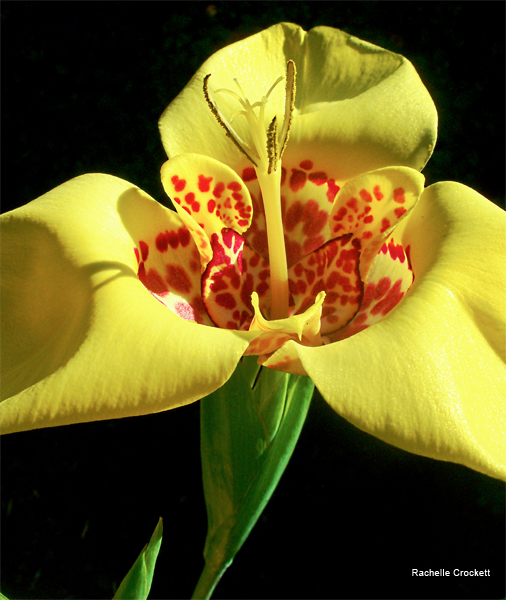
x=265 y=150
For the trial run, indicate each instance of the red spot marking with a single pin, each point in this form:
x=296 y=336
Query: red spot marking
x=235 y=186
x=377 y=192
x=399 y=196
x=249 y=174
x=364 y=194
x=179 y=184
x=255 y=259
x=318 y=178
x=262 y=288
x=187 y=210
x=375 y=291
x=396 y=251
x=204 y=183
x=172 y=238
x=219 y=283
x=227 y=301
x=310 y=275
x=391 y=300
x=333 y=188
x=297 y=180
x=178 y=200
x=136 y=252
x=367 y=235
x=162 y=242
x=384 y=249
x=228 y=239
x=218 y=190
x=211 y=205
x=144 y=250
x=178 y=279
x=301 y=286
x=399 y=211
x=259 y=242
x=314 y=218
x=196 y=208
x=237 y=196
x=353 y=204
x=339 y=216
x=283 y=176
x=298 y=269
x=307 y=165
x=294 y=215
x=190 y=198
x=331 y=299
x=369 y=219
x=385 y=224
x=155 y=283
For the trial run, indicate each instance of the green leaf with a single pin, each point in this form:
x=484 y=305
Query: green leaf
x=137 y=583
x=249 y=429
x=2 y=597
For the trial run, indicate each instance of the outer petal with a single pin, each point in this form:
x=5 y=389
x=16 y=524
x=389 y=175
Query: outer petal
x=435 y=367
x=357 y=108
x=83 y=339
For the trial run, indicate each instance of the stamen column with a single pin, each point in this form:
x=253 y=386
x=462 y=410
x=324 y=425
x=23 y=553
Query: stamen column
x=270 y=186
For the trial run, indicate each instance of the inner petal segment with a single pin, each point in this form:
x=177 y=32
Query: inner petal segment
x=371 y=205
x=334 y=268
x=208 y=196
x=169 y=267
x=388 y=280
x=233 y=274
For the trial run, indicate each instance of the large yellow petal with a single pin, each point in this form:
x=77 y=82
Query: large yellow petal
x=357 y=107
x=435 y=365
x=82 y=338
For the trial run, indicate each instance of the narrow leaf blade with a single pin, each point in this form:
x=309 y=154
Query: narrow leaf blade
x=137 y=582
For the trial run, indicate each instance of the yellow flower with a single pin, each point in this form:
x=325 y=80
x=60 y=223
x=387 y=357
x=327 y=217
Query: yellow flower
x=115 y=306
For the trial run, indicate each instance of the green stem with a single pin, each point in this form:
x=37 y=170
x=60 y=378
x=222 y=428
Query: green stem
x=208 y=580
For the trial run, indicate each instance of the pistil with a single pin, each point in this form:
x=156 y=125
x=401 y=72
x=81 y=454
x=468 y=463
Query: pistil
x=265 y=153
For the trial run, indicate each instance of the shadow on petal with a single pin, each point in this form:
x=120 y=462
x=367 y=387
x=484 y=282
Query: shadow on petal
x=49 y=304
x=49 y=301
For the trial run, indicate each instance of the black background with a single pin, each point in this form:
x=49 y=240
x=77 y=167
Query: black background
x=83 y=86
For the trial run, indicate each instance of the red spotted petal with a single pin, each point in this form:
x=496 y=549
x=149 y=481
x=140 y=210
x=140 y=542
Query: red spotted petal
x=371 y=205
x=334 y=268
x=234 y=272
x=208 y=196
x=169 y=267
x=388 y=280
